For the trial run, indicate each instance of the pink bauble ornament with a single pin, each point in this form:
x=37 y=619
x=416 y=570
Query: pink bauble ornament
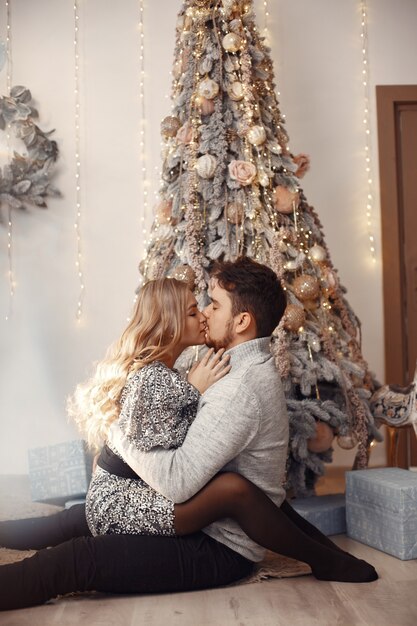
x=185 y=134
x=205 y=106
x=285 y=200
x=170 y=126
x=163 y=212
x=186 y=274
x=235 y=212
x=323 y=438
x=294 y=317
x=306 y=287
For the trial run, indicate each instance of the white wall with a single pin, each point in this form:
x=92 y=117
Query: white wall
x=316 y=49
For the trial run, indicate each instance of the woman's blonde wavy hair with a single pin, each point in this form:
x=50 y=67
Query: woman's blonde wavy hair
x=157 y=325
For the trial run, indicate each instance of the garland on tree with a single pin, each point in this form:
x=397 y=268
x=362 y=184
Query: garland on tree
x=26 y=178
x=231 y=187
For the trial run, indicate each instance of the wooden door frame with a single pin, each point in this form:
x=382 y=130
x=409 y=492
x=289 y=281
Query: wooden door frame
x=388 y=97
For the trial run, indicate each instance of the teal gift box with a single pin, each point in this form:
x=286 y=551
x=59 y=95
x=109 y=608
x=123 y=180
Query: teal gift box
x=381 y=510
x=327 y=513
x=60 y=472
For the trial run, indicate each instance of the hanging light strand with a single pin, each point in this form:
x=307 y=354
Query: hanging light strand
x=367 y=127
x=266 y=19
x=77 y=224
x=10 y=264
x=142 y=132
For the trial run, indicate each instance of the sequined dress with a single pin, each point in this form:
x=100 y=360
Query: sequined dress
x=157 y=407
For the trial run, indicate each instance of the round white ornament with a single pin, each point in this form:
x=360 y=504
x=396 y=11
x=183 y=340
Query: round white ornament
x=263 y=178
x=256 y=135
x=208 y=88
x=231 y=42
x=275 y=148
x=318 y=253
x=236 y=91
x=206 y=166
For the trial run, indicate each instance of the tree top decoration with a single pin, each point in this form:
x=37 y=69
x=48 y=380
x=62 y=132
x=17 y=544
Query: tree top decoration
x=230 y=187
x=26 y=178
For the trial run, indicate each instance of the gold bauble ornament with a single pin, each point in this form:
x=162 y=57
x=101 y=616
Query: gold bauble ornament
x=256 y=135
x=236 y=91
x=323 y=438
x=291 y=265
x=306 y=287
x=231 y=42
x=235 y=212
x=170 y=126
x=310 y=305
x=186 y=274
x=177 y=69
x=294 y=317
x=208 y=88
x=347 y=442
x=206 y=166
x=318 y=253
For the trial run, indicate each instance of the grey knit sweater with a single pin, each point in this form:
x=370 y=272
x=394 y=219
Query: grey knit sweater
x=241 y=426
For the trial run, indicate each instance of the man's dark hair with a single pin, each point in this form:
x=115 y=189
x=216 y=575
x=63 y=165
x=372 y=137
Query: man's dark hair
x=253 y=288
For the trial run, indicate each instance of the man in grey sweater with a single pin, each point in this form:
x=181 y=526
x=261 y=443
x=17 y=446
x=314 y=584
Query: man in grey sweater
x=241 y=424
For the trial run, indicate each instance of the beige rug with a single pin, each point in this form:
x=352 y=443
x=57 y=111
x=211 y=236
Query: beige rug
x=15 y=503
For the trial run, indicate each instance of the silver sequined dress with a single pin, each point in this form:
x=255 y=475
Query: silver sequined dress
x=157 y=407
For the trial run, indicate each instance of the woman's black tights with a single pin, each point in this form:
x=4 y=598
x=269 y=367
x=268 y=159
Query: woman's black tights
x=279 y=529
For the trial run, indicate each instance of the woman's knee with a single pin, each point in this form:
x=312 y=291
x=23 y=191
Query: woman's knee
x=235 y=485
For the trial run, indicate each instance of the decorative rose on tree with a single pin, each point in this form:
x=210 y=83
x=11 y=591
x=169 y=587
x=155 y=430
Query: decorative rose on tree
x=242 y=171
x=303 y=162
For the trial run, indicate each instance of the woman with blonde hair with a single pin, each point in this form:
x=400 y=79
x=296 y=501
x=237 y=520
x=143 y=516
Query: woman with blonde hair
x=154 y=404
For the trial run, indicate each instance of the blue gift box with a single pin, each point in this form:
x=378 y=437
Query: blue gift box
x=327 y=513
x=60 y=472
x=381 y=510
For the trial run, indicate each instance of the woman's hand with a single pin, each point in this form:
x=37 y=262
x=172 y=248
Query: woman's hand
x=209 y=370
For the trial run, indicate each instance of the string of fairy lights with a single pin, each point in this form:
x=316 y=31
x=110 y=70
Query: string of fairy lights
x=367 y=127
x=10 y=264
x=142 y=122
x=79 y=262
x=265 y=6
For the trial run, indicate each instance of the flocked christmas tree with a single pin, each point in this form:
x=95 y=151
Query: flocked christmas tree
x=231 y=187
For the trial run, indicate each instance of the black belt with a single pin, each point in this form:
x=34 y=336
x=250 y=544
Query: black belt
x=113 y=464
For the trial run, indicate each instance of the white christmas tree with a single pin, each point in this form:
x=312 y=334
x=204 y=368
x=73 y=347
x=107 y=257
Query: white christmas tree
x=231 y=187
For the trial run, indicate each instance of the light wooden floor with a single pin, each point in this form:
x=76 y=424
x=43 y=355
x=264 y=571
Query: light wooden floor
x=304 y=601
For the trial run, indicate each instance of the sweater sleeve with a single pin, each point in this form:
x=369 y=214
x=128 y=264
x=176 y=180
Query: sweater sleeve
x=157 y=409
x=217 y=435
